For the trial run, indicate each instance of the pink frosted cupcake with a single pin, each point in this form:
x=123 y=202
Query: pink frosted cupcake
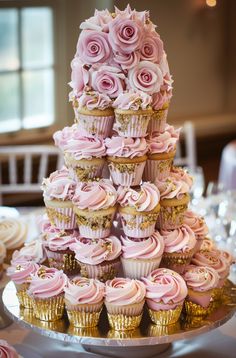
x=3 y=253
x=201 y=282
x=133 y=112
x=84 y=301
x=207 y=244
x=160 y=107
x=98 y=258
x=179 y=248
x=59 y=254
x=198 y=225
x=124 y=301
x=162 y=148
x=58 y=191
x=174 y=192
x=94 y=114
x=95 y=208
x=139 y=209
x=31 y=251
x=126 y=159
x=7 y=351
x=20 y=273
x=141 y=256
x=165 y=294
x=47 y=292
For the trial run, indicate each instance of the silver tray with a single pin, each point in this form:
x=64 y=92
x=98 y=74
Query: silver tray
x=145 y=341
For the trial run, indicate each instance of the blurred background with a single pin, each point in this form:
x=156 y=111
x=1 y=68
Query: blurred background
x=38 y=41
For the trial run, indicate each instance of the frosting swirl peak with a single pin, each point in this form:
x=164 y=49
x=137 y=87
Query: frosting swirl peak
x=149 y=248
x=181 y=239
x=59 y=186
x=81 y=290
x=124 y=291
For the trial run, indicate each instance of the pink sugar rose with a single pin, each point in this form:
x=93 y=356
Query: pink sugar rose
x=125 y=35
x=98 y=22
x=146 y=77
x=79 y=76
x=127 y=60
x=152 y=47
x=108 y=80
x=93 y=47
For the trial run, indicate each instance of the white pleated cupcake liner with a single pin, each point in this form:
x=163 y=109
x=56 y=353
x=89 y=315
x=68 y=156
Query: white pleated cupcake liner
x=134 y=125
x=131 y=226
x=128 y=310
x=88 y=233
x=136 y=269
x=125 y=178
x=158 y=121
x=64 y=218
x=94 y=126
x=87 y=171
x=103 y=272
x=157 y=169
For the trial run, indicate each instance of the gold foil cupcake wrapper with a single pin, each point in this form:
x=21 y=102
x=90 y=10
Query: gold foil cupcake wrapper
x=176 y=262
x=194 y=309
x=120 y=322
x=165 y=317
x=83 y=319
x=49 y=309
x=24 y=299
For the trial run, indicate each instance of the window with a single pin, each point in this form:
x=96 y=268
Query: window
x=26 y=68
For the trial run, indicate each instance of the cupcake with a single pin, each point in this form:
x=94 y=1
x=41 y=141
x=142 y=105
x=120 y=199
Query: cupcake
x=98 y=258
x=162 y=148
x=139 y=209
x=179 y=247
x=84 y=157
x=207 y=244
x=160 y=107
x=124 y=301
x=13 y=233
x=201 y=282
x=133 y=112
x=58 y=191
x=165 y=294
x=174 y=198
x=126 y=159
x=95 y=208
x=141 y=256
x=59 y=254
x=94 y=114
x=7 y=351
x=198 y=225
x=31 y=251
x=47 y=292
x=84 y=301
x=3 y=252
x=217 y=261
x=20 y=273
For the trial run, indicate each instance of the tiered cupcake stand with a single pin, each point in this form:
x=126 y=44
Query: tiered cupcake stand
x=147 y=341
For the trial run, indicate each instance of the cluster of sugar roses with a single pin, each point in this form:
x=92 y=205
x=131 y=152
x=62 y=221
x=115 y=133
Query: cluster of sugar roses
x=121 y=52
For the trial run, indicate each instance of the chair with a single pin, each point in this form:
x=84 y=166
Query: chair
x=190 y=158
x=31 y=178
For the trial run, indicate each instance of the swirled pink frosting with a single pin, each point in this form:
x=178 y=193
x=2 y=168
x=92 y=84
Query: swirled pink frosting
x=7 y=351
x=175 y=186
x=196 y=223
x=94 y=252
x=164 y=142
x=208 y=244
x=61 y=241
x=181 y=174
x=124 y=291
x=126 y=147
x=201 y=278
x=94 y=100
x=181 y=239
x=95 y=195
x=149 y=248
x=212 y=259
x=47 y=282
x=85 y=148
x=20 y=271
x=144 y=199
x=81 y=290
x=164 y=287
x=227 y=256
x=62 y=137
x=31 y=251
x=133 y=101
x=59 y=186
x=3 y=252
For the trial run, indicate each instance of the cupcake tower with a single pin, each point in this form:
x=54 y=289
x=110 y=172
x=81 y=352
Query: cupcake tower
x=127 y=240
